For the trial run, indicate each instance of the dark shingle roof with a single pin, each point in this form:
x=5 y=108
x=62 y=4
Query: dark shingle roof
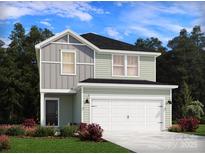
x=103 y=42
x=120 y=81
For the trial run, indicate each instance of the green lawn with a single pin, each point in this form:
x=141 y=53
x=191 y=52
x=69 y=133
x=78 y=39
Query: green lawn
x=65 y=145
x=200 y=131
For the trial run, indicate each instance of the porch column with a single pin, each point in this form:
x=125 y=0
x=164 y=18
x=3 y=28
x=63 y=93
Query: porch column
x=42 y=110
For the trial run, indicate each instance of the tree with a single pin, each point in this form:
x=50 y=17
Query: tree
x=1 y=43
x=150 y=43
x=19 y=78
x=184 y=62
x=195 y=109
x=186 y=97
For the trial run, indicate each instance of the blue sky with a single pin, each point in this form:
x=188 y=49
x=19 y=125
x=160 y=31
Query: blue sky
x=125 y=21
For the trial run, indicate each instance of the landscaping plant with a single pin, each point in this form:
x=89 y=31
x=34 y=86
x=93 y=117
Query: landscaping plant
x=30 y=131
x=68 y=131
x=15 y=131
x=195 y=109
x=189 y=124
x=91 y=132
x=175 y=128
x=4 y=142
x=29 y=123
x=44 y=131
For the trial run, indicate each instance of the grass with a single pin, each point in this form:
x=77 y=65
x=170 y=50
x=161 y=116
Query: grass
x=200 y=131
x=66 y=145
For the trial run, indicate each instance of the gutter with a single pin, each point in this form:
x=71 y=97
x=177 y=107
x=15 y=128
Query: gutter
x=139 y=86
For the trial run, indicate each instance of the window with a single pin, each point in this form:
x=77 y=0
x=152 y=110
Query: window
x=132 y=65
x=125 y=65
x=68 y=62
x=118 y=65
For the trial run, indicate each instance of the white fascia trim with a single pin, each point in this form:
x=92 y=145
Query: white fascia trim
x=130 y=52
x=142 y=86
x=58 y=91
x=78 y=37
x=53 y=38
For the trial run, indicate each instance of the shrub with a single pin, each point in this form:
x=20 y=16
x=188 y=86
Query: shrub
x=68 y=131
x=44 y=131
x=30 y=131
x=189 y=124
x=195 y=109
x=91 y=132
x=4 y=128
x=83 y=126
x=4 y=142
x=15 y=131
x=3 y=131
x=175 y=128
x=29 y=123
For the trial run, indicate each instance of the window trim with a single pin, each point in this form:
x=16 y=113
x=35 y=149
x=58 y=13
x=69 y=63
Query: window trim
x=61 y=61
x=121 y=66
x=126 y=65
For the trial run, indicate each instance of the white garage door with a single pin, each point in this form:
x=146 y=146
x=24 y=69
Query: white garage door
x=127 y=114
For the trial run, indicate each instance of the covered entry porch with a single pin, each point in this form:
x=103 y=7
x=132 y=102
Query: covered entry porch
x=60 y=109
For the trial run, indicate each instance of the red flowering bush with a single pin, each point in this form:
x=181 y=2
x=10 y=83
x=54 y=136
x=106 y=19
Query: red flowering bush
x=83 y=126
x=188 y=124
x=92 y=132
x=4 y=142
x=29 y=123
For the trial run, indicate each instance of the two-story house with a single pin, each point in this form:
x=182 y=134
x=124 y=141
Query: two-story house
x=94 y=79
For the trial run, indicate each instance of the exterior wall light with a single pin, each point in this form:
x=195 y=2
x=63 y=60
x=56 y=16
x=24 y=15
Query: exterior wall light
x=169 y=102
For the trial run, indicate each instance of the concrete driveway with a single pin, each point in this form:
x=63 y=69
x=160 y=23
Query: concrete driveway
x=156 y=142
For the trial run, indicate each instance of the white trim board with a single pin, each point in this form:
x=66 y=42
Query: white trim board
x=143 y=86
x=58 y=91
x=58 y=62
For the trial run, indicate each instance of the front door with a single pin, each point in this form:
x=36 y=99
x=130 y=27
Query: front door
x=52 y=112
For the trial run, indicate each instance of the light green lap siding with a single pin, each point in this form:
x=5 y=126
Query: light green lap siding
x=136 y=92
x=103 y=68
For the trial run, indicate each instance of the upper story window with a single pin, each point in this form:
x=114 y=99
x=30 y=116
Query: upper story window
x=132 y=65
x=68 y=62
x=118 y=65
x=125 y=65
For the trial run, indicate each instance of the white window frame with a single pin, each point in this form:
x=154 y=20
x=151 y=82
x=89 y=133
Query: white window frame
x=125 y=65
x=138 y=66
x=113 y=65
x=68 y=51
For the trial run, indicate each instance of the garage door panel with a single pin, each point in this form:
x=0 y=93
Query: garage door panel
x=127 y=114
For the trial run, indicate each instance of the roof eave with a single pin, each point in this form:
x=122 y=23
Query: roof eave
x=53 y=38
x=140 y=86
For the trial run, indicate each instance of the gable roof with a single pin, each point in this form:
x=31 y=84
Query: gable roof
x=103 y=42
x=110 y=45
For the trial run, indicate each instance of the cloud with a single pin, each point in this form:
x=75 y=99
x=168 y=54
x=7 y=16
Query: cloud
x=112 y=32
x=160 y=19
x=80 y=10
x=7 y=41
x=46 y=23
